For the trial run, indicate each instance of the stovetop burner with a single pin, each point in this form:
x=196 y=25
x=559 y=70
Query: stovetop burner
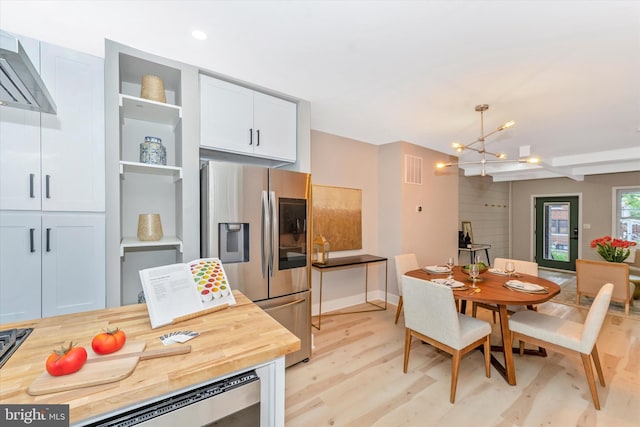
x=10 y=340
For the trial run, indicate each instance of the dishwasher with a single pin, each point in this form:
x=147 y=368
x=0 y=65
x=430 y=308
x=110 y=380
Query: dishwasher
x=233 y=401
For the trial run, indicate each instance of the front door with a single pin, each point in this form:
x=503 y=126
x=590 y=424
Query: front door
x=556 y=232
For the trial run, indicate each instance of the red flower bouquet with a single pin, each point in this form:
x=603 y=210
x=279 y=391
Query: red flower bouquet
x=612 y=250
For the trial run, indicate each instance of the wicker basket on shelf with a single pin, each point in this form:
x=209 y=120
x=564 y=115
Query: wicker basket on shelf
x=152 y=88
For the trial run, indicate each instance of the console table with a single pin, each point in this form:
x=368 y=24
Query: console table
x=350 y=262
x=475 y=248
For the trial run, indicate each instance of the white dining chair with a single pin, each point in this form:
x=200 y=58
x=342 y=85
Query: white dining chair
x=524 y=267
x=403 y=263
x=431 y=316
x=566 y=335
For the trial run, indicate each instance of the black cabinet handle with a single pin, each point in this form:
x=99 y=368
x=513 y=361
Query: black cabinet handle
x=258 y=132
x=251 y=136
x=31 y=189
x=47 y=187
x=48 y=240
x=31 y=241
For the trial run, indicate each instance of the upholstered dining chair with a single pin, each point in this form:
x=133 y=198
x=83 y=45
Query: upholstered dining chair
x=590 y=275
x=524 y=267
x=634 y=269
x=566 y=335
x=430 y=315
x=404 y=263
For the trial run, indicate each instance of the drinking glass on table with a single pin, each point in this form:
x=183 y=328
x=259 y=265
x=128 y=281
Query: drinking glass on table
x=450 y=264
x=474 y=270
x=509 y=268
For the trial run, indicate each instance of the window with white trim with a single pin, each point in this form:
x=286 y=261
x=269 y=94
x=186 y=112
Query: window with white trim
x=627 y=213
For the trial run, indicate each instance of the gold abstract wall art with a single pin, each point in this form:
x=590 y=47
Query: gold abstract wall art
x=337 y=215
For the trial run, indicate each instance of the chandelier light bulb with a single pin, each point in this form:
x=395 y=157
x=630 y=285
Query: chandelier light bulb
x=501 y=155
x=440 y=165
x=533 y=160
x=507 y=125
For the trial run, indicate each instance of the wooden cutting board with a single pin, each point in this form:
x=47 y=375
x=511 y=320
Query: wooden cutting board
x=92 y=373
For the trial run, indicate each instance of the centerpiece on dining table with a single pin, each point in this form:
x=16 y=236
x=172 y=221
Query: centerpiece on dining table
x=474 y=270
x=482 y=268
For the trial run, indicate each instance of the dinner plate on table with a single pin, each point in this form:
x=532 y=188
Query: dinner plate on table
x=449 y=282
x=501 y=272
x=525 y=286
x=438 y=269
x=498 y=271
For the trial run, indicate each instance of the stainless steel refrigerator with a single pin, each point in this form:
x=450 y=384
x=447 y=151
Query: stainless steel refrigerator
x=255 y=220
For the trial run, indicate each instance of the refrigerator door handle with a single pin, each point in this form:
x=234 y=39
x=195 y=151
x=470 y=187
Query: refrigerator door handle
x=266 y=225
x=274 y=230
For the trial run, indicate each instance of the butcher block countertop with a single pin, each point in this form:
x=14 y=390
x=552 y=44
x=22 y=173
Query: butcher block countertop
x=230 y=340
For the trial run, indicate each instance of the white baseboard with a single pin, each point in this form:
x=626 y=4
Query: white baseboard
x=350 y=301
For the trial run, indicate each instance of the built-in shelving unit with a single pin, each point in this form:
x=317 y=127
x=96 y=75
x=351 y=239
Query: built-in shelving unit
x=134 y=242
x=137 y=108
x=142 y=188
x=137 y=167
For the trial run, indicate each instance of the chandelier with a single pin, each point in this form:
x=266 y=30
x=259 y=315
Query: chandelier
x=481 y=148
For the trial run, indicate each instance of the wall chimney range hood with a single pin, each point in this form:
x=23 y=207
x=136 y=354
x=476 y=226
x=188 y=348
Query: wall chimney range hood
x=20 y=84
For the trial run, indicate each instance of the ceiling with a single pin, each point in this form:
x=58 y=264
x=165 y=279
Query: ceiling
x=568 y=72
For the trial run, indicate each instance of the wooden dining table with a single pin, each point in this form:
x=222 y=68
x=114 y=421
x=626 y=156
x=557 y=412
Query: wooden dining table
x=491 y=289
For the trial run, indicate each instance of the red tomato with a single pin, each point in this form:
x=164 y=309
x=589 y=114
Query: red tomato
x=108 y=342
x=66 y=361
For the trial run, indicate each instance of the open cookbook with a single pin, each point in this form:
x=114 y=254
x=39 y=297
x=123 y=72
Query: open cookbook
x=176 y=291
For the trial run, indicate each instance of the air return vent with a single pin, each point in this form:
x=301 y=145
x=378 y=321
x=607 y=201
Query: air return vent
x=412 y=169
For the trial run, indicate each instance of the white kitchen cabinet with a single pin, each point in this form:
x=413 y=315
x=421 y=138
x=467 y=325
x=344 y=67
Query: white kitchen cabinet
x=73 y=268
x=20 y=149
x=56 y=162
x=19 y=159
x=243 y=121
x=50 y=264
x=20 y=267
x=73 y=174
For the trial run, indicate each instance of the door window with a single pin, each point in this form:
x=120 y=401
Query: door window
x=557 y=232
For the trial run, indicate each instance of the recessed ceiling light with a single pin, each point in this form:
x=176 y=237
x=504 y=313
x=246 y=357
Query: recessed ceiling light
x=200 y=35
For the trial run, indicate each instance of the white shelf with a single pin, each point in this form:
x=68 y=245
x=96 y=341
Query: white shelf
x=151 y=111
x=134 y=242
x=145 y=168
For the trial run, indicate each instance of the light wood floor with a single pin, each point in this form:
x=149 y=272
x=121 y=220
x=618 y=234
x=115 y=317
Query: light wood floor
x=355 y=378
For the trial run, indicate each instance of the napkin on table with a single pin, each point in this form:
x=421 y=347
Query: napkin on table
x=449 y=282
x=437 y=269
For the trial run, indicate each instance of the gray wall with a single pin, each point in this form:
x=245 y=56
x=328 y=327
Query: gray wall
x=390 y=223
x=487 y=205
x=596 y=201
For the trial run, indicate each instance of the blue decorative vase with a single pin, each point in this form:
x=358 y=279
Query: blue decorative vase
x=152 y=151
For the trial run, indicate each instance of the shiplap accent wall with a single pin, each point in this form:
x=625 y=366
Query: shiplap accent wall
x=486 y=204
